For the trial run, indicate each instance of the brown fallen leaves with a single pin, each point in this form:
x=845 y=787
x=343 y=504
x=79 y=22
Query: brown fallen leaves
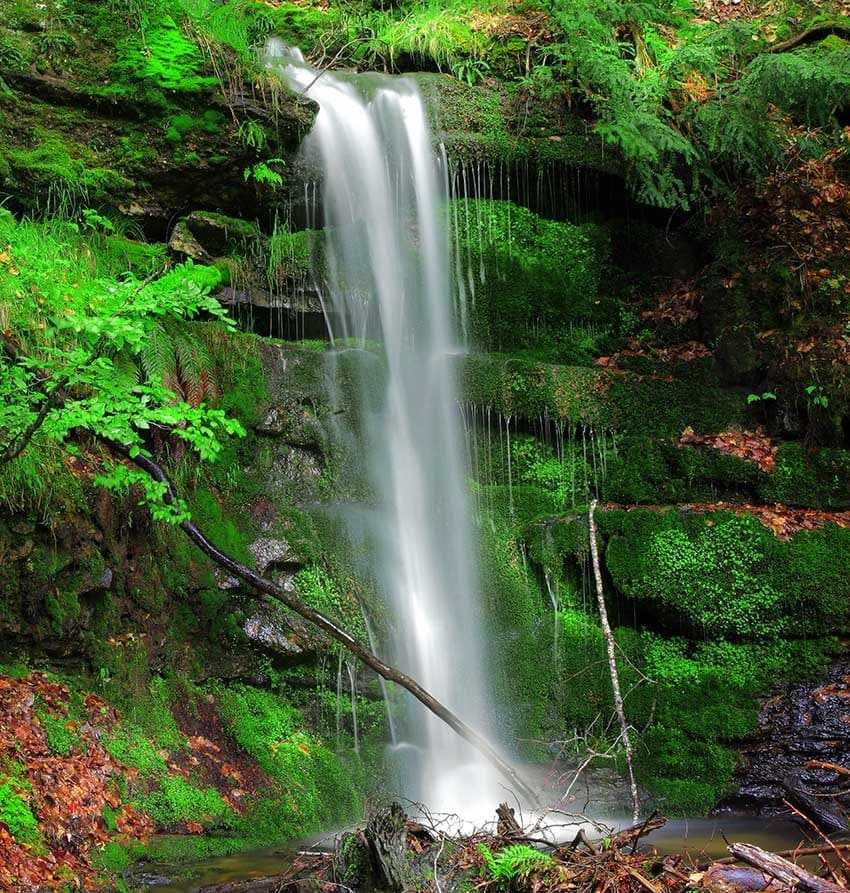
x=678 y=305
x=686 y=352
x=69 y=795
x=784 y=521
x=754 y=446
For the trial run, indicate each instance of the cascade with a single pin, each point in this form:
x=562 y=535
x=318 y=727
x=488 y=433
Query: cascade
x=387 y=276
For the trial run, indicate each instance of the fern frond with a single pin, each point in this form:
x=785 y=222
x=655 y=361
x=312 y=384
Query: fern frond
x=514 y=862
x=157 y=358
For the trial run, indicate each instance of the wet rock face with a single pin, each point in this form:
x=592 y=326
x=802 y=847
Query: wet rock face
x=801 y=755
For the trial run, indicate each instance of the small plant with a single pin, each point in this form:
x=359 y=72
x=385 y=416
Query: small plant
x=95 y=222
x=513 y=862
x=817 y=396
x=263 y=175
x=471 y=70
x=759 y=398
x=252 y=134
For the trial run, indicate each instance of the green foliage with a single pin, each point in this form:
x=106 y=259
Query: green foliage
x=72 y=375
x=312 y=787
x=263 y=174
x=16 y=814
x=426 y=35
x=514 y=862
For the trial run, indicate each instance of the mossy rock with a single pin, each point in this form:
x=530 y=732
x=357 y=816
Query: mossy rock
x=487 y=122
x=595 y=397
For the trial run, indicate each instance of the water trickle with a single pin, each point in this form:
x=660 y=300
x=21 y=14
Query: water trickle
x=387 y=276
x=354 y=724
x=373 y=646
x=338 y=699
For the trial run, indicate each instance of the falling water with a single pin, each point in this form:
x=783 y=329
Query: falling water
x=387 y=277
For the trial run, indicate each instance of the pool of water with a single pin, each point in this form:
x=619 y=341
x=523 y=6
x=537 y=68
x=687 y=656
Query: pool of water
x=699 y=839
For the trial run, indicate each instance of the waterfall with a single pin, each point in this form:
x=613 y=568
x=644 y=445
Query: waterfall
x=387 y=275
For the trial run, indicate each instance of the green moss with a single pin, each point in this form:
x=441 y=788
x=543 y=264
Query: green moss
x=62 y=736
x=183 y=125
x=51 y=164
x=132 y=747
x=693 y=700
x=515 y=619
x=496 y=122
x=319 y=590
x=813 y=479
x=178 y=800
x=313 y=788
x=163 y=57
x=725 y=575
x=112 y=857
x=16 y=814
x=540 y=278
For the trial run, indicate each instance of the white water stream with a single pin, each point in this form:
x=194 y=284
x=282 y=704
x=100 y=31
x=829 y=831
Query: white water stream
x=387 y=278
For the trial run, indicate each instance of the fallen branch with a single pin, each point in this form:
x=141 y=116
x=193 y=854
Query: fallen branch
x=809 y=36
x=783 y=870
x=261 y=584
x=612 y=663
x=797 y=851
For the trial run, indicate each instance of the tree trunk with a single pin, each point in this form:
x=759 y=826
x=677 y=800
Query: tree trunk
x=612 y=663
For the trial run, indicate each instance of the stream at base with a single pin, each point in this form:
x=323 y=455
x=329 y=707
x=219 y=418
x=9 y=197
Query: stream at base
x=696 y=838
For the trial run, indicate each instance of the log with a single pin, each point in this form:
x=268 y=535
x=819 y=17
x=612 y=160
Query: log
x=507 y=826
x=818 y=32
x=787 y=872
x=336 y=632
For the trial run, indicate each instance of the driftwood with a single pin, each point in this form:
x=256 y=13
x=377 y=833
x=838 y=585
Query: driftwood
x=336 y=632
x=786 y=872
x=797 y=851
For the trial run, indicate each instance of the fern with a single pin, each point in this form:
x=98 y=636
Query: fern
x=182 y=363
x=513 y=862
x=157 y=358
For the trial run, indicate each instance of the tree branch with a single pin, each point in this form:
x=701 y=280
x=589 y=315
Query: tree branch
x=261 y=584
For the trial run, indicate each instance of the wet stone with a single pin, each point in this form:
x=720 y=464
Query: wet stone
x=268 y=551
